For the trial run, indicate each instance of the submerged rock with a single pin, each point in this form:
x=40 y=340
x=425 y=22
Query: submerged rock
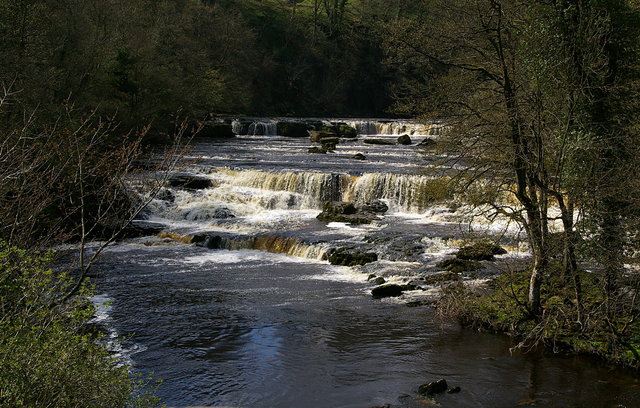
x=404 y=140
x=389 y=290
x=454 y=390
x=359 y=156
x=432 y=388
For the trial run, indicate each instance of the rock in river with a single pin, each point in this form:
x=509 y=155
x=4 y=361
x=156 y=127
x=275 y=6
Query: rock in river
x=389 y=290
x=190 y=181
x=435 y=387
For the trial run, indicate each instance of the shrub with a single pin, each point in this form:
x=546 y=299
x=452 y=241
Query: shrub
x=48 y=358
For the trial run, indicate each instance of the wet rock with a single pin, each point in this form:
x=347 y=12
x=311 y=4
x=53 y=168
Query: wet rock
x=318 y=150
x=346 y=131
x=222 y=213
x=190 y=182
x=454 y=390
x=339 y=208
x=166 y=195
x=379 y=281
x=440 y=277
x=378 y=206
x=317 y=135
x=214 y=130
x=372 y=276
x=333 y=141
x=481 y=251
x=375 y=141
x=350 y=258
x=409 y=286
x=389 y=290
x=138 y=229
x=404 y=140
x=427 y=142
x=459 y=265
x=432 y=388
x=338 y=211
x=208 y=241
x=292 y=129
x=359 y=156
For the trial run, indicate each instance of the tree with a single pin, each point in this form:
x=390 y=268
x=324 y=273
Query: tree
x=503 y=75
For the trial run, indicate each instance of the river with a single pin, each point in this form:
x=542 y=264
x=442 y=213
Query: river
x=266 y=321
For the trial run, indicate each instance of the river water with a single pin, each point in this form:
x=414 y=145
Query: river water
x=266 y=322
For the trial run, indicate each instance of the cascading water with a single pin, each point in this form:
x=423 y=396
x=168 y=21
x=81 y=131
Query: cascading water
x=236 y=305
x=262 y=127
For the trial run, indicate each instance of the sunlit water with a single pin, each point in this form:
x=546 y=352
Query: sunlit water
x=249 y=328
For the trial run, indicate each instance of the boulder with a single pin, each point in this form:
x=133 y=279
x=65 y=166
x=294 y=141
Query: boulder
x=379 y=281
x=404 y=140
x=440 y=277
x=378 y=207
x=222 y=213
x=208 y=241
x=216 y=130
x=190 y=182
x=359 y=156
x=481 y=251
x=348 y=258
x=339 y=208
x=346 y=131
x=389 y=290
x=292 y=129
x=379 y=141
x=317 y=150
x=459 y=265
x=454 y=390
x=432 y=388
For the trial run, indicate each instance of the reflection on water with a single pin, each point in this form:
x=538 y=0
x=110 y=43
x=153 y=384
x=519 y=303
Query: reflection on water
x=261 y=331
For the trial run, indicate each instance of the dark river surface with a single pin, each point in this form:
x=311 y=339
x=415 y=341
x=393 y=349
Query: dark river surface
x=254 y=328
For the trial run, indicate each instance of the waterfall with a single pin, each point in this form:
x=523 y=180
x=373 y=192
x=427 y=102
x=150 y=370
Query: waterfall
x=269 y=243
x=315 y=188
x=262 y=127
x=249 y=193
x=395 y=128
x=407 y=193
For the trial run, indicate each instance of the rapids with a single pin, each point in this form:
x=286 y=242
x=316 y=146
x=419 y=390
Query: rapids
x=266 y=321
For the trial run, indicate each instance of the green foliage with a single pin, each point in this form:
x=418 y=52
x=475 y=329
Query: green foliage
x=47 y=358
x=586 y=329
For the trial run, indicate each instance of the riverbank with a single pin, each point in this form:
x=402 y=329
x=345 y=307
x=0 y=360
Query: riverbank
x=597 y=326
